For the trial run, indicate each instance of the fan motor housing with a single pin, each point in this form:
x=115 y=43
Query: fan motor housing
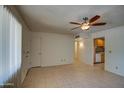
x=77 y=36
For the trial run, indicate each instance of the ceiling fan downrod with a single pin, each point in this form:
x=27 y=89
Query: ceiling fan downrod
x=85 y=19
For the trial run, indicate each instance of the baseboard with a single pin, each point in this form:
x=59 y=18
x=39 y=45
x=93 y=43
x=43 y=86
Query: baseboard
x=55 y=65
x=114 y=72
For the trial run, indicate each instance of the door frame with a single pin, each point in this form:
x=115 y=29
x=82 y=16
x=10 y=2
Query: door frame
x=94 y=54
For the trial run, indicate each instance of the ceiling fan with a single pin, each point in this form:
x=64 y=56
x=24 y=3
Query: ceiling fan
x=88 y=23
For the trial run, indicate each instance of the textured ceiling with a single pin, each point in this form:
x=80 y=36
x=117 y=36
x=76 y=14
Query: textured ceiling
x=56 y=18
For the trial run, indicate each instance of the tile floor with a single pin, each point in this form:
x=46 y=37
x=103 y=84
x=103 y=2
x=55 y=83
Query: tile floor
x=72 y=76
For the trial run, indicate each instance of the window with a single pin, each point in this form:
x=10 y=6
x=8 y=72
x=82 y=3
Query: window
x=10 y=47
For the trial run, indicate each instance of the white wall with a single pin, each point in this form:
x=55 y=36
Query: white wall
x=56 y=49
x=114 y=41
x=86 y=50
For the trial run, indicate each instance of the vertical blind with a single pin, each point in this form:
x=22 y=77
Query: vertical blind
x=10 y=47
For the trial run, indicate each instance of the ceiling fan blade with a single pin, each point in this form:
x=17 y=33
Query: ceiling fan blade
x=94 y=18
x=99 y=24
x=75 y=28
x=75 y=23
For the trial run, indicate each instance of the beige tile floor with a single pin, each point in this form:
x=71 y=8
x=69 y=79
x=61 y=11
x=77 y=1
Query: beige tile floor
x=72 y=76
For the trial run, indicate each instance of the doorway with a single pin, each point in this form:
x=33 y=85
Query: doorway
x=77 y=52
x=78 y=48
x=99 y=50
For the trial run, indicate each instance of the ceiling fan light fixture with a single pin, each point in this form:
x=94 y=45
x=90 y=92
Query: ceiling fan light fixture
x=85 y=26
x=88 y=23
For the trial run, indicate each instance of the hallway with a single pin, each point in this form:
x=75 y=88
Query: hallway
x=72 y=76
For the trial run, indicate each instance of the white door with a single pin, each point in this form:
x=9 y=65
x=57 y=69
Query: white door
x=35 y=52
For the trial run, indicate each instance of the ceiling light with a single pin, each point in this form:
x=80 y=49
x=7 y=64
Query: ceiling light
x=85 y=26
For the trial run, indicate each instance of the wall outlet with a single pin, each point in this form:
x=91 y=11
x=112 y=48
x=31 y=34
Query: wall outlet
x=63 y=60
x=116 y=67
